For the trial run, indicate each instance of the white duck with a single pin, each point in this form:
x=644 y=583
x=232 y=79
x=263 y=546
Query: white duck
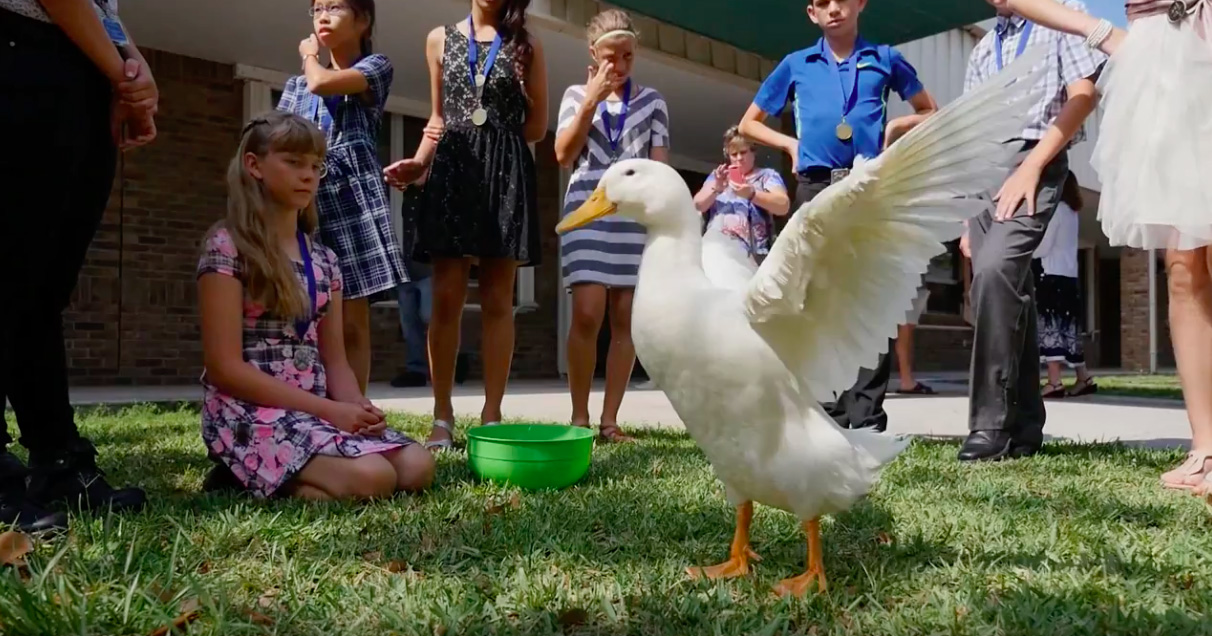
x=746 y=355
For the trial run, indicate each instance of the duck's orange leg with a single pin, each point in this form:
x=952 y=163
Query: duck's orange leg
x=799 y=585
x=740 y=554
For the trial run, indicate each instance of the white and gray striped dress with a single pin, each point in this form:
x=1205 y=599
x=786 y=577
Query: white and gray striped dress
x=607 y=251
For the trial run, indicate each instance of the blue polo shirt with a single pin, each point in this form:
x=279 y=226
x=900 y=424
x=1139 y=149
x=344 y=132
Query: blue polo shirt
x=816 y=95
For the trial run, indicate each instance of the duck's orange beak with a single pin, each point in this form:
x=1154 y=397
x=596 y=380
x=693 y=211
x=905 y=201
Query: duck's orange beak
x=596 y=207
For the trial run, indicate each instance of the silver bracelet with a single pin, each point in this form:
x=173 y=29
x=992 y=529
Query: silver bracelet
x=1099 y=34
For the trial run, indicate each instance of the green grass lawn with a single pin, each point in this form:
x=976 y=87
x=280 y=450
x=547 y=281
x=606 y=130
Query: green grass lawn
x=1140 y=386
x=1079 y=540
x=1147 y=386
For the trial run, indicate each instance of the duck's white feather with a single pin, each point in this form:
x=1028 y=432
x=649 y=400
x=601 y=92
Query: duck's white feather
x=726 y=261
x=745 y=359
x=846 y=268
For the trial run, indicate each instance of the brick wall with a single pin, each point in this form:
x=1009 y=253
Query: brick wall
x=133 y=318
x=1134 y=312
x=947 y=349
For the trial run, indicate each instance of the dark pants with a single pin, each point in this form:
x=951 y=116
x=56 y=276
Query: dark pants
x=1004 y=393
x=862 y=405
x=56 y=172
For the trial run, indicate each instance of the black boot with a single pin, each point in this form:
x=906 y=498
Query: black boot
x=986 y=446
x=16 y=510
x=70 y=477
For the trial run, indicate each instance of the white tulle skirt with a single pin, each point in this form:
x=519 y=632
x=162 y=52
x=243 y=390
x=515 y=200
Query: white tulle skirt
x=1154 y=150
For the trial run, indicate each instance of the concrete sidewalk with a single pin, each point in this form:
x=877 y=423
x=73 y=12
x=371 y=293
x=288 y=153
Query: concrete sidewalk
x=1156 y=423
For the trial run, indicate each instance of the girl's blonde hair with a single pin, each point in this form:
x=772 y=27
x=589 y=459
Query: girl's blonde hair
x=607 y=21
x=269 y=277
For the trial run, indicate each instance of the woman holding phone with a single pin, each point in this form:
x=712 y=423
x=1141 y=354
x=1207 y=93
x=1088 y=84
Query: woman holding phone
x=741 y=199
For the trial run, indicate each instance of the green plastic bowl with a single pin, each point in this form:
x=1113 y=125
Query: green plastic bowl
x=530 y=456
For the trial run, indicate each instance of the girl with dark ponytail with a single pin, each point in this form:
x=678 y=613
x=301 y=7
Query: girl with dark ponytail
x=489 y=94
x=346 y=98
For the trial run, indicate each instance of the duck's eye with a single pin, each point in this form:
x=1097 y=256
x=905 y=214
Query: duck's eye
x=630 y=173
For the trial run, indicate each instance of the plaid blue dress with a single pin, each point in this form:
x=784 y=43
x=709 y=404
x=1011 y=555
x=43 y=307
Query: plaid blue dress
x=354 y=207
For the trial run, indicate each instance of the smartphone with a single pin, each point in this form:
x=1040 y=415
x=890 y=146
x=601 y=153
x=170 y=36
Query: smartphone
x=735 y=176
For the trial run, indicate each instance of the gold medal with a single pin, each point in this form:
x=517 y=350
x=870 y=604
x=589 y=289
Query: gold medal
x=844 y=131
x=479 y=117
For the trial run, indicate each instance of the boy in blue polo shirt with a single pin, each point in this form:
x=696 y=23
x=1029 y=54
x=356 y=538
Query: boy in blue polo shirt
x=839 y=88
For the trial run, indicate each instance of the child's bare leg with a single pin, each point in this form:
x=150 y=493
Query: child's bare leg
x=414 y=467
x=366 y=477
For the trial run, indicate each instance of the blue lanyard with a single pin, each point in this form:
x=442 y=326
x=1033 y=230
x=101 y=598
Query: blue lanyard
x=473 y=53
x=615 y=137
x=848 y=97
x=301 y=326
x=1023 y=38
x=323 y=117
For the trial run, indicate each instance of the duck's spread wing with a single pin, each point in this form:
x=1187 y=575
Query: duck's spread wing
x=846 y=268
x=726 y=261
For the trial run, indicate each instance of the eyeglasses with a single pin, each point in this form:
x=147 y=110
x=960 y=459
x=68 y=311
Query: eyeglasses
x=335 y=10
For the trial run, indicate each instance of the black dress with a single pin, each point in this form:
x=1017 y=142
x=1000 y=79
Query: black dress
x=480 y=198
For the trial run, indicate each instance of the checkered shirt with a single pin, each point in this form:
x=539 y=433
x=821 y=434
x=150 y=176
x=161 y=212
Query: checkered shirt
x=1071 y=57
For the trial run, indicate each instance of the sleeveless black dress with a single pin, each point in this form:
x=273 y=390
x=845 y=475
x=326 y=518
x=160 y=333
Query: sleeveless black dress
x=480 y=199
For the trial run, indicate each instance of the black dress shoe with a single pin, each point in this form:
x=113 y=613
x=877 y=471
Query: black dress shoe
x=16 y=510
x=70 y=478
x=986 y=446
x=1027 y=442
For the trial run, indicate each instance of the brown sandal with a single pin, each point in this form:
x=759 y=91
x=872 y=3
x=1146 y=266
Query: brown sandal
x=1082 y=388
x=613 y=434
x=1053 y=391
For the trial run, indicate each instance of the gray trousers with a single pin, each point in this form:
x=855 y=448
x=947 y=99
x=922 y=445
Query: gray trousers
x=1004 y=391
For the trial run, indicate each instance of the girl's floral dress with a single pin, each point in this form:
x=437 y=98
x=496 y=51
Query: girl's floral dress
x=264 y=446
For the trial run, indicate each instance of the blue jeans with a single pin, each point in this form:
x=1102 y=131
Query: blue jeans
x=415 y=299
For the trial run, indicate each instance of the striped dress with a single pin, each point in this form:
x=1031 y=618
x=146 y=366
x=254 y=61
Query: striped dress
x=607 y=251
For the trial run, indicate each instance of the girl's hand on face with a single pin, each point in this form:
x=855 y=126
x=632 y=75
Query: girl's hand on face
x=601 y=83
x=309 y=46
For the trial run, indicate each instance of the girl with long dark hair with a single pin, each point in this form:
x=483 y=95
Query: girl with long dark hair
x=489 y=93
x=345 y=98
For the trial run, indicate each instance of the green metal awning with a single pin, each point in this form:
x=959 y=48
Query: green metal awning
x=774 y=28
